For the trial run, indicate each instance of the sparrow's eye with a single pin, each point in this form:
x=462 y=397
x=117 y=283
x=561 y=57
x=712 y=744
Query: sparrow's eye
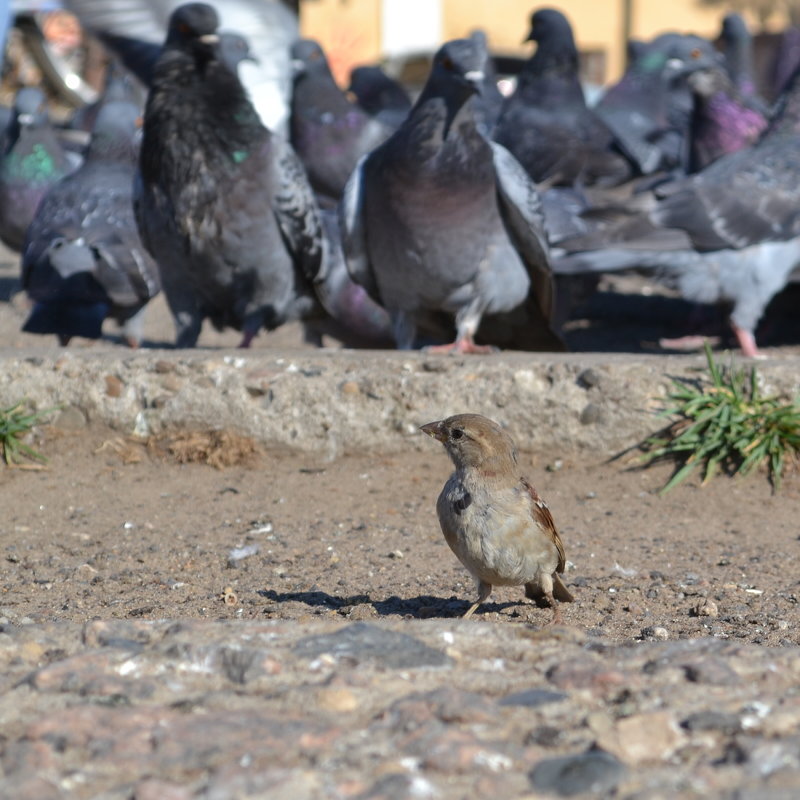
x=456 y=433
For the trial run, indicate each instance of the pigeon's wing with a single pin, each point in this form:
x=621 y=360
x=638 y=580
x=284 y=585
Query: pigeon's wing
x=521 y=209
x=738 y=201
x=354 y=235
x=296 y=210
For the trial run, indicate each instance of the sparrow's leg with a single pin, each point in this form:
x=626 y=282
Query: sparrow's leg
x=544 y=589
x=484 y=590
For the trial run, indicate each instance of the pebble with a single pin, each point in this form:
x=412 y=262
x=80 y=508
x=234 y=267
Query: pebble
x=655 y=632
x=593 y=772
x=297 y=710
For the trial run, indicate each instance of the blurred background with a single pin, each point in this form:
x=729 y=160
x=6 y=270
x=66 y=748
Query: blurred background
x=45 y=43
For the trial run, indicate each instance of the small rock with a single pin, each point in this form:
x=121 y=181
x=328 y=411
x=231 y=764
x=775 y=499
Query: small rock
x=114 y=386
x=722 y=721
x=705 y=608
x=592 y=414
x=531 y=698
x=655 y=633
x=595 y=772
x=643 y=738
x=350 y=388
x=70 y=419
x=336 y=699
x=364 y=642
x=398 y=554
x=588 y=378
x=238 y=554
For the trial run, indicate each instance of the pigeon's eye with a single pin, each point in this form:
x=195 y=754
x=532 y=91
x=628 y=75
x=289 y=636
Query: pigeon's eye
x=456 y=433
x=695 y=53
x=184 y=28
x=448 y=64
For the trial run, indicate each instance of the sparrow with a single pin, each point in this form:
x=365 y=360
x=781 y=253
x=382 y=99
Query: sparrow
x=491 y=516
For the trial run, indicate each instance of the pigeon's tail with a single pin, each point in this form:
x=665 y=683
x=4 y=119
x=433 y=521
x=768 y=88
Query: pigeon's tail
x=617 y=259
x=67 y=320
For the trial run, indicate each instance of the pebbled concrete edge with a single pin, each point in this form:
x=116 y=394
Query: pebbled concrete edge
x=342 y=402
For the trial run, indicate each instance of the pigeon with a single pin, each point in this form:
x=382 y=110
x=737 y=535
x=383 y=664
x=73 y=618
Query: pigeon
x=737 y=48
x=649 y=110
x=379 y=95
x=328 y=132
x=438 y=220
x=786 y=60
x=83 y=260
x=546 y=124
x=222 y=204
x=730 y=233
x=722 y=121
x=135 y=29
x=489 y=101
x=119 y=87
x=353 y=316
x=33 y=160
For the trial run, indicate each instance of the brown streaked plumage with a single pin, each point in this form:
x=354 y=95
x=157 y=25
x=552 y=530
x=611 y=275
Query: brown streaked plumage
x=491 y=516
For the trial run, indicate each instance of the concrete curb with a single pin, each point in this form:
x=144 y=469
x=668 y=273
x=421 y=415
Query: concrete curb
x=340 y=402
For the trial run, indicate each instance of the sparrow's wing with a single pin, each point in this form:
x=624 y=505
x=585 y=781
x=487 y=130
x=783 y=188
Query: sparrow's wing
x=541 y=513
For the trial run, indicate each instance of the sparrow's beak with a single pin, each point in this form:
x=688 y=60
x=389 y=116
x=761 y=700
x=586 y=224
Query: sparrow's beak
x=435 y=430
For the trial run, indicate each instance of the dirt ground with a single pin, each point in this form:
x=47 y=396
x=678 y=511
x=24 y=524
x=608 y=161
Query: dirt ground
x=108 y=529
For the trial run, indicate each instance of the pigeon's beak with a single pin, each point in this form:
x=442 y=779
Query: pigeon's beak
x=474 y=78
x=435 y=430
x=209 y=38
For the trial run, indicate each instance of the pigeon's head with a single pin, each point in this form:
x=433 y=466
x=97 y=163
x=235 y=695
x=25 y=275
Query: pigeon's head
x=674 y=55
x=734 y=29
x=233 y=49
x=30 y=106
x=193 y=26
x=375 y=90
x=458 y=69
x=308 y=57
x=547 y=24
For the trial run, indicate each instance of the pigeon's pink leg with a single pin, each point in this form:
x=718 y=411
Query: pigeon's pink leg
x=746 y=341
x=463 y=345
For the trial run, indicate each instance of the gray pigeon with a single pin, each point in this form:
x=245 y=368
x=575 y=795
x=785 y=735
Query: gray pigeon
x=379 y=95
x=546 y=124
x=32 y=160
x=83 y=260
x=328 y=132
x=649 y=109
x=730 y=233
x=223 y=206
x=438 y=220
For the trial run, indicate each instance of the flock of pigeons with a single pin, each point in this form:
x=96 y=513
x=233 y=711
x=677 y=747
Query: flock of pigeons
x=401 y=223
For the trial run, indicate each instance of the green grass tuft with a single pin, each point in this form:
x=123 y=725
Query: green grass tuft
x=724 y=423
x=15 y=423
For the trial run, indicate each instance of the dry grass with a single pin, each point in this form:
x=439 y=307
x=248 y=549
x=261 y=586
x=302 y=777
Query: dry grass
x=218 y=449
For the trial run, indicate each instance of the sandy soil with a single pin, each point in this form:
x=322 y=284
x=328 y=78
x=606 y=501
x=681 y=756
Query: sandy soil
x=110 y=530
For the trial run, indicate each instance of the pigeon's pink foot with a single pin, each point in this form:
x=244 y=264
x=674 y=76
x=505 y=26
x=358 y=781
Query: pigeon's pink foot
x=465 y=345
x=747 y=342
x=685 y=343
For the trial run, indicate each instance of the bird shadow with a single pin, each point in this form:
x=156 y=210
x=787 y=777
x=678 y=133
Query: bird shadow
x=420 y=607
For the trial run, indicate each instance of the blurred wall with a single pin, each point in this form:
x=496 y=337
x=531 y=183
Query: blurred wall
x=360 y=31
